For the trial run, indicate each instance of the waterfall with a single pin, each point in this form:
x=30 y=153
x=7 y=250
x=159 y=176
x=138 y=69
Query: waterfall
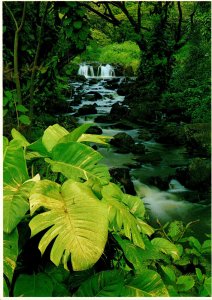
x=86 y=70
x=106 y=71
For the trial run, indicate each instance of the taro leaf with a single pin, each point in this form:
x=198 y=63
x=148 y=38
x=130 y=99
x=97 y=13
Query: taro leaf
x=95 y=138
x=78 y=161
x=103 y=284
x=16 y=192
x=24 y=119
x=10 y=253
x=75 y=134
x=122 y=210
x=35 y=285
x=18 y=136
x=5 y=289
x=52 y=135
x=185 y=283
x=166 y=247
x=78 y=222
x=146 y=284
x=36 y=150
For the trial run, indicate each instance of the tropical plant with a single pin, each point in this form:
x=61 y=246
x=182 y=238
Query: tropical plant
x=93 y=237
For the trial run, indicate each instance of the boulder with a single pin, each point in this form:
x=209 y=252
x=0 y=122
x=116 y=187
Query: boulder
x=170 y=133
x=95 y=95
x=87 y=110
x=138 y=149
x=123 y=141
x=94 y=130
x=161 y=183
x=105 y=119
x=122 y=176
x=195 y=176
x=119 y=110
x=144 y=135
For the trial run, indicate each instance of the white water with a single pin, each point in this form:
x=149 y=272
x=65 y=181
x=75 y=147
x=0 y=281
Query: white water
x=86 y=70
x=106 y=71
x=164 y=205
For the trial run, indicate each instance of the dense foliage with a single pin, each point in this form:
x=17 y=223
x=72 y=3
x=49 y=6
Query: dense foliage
x=68 y=229
x=87 y=224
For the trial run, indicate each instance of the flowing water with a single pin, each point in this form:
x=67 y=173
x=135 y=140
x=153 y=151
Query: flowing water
x=167 y=205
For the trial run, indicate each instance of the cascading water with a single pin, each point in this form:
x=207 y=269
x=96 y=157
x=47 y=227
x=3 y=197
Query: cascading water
x=106 y=71
x=86 y=70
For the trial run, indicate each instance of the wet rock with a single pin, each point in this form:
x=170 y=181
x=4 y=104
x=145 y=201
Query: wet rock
x=170 y=133
x=161 y=183
x=199 y=171
x=104 y=119
x=112 y=85
x=87 y=110
x=122 y=176
x=119 y=110
x=144 y=135
x=123 y=141
x=123 y=126
x=123 y=90
x=138 y=149
x=94 y=130
x=77 y=100
x=93 y=95
x=197 y=175
x=93 y=81
x=198 y=139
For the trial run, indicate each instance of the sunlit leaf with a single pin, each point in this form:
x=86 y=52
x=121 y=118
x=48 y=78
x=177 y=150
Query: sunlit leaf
x=10 y=253
x=78 y=221
x=166 y=247
x=78 y=161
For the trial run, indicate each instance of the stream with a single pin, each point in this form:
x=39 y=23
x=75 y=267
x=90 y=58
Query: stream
x=166 y=205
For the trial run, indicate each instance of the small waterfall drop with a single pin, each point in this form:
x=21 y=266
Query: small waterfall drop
x=86 y=70
x=163 y=205
x=106 y=71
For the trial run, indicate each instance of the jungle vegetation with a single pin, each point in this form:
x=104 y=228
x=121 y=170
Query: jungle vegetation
x=59 y=200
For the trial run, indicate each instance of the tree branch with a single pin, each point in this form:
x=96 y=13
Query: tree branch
x=113 y=21
x=23 y=17
x=12 y=15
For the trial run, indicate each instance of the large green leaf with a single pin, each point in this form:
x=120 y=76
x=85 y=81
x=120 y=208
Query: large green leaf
x=122 y=210
x=10 y=253
x=103 y=284
x=78 y=161
x=78 y=222
x=75 y=134
x=18 y=136
x=146 y=284
x=95 y=138
x=16 y=192
x=52 y=135
x=5 y=289
x=35 y=285
x=166 y=247
x=36 y=150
